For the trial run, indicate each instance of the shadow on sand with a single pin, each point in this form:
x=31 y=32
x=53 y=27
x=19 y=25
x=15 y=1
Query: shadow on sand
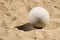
x=27 y=27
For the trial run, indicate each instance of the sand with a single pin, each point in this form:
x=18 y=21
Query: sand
x=15 y=13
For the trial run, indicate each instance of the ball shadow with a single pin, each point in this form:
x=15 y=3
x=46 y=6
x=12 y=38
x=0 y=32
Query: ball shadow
x=27 y=27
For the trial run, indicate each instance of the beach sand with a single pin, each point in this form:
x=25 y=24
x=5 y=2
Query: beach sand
x=15 y=13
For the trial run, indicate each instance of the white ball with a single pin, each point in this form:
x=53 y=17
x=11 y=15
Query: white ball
x=38 y=17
